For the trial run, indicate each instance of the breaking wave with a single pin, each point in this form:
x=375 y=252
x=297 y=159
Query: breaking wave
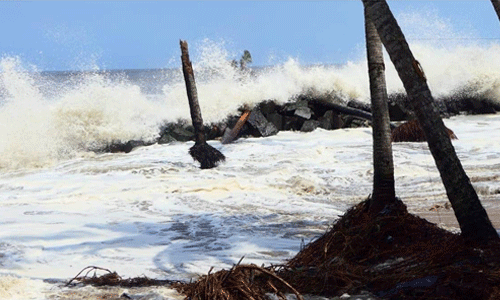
x=47 y=117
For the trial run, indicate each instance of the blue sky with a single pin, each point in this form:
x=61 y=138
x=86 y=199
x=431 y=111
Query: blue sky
x=136 y=35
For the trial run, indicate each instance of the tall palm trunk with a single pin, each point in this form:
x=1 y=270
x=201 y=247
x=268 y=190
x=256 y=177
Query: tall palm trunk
x=471 y=216
x=496 y=5
x=383 y=167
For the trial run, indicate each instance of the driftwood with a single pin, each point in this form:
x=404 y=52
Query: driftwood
x=236 y=129
x=411 y=131
x=202 y=152
x=113 y=279
x=345 y=110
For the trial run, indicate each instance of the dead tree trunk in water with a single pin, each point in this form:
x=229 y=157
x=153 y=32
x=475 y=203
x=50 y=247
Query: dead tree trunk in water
x=496 y=5
x=383 y=166
x=207 y=155
x=229 y=138
x=471 y=216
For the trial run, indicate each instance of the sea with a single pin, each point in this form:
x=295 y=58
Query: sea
x=153 y=212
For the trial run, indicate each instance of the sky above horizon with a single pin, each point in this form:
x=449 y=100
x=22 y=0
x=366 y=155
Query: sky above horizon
x=76 y=35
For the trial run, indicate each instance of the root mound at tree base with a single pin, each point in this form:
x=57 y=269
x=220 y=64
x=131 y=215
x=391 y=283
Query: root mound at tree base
x=394 y=255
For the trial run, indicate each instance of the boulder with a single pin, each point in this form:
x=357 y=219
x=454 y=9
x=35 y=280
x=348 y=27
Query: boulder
x=396 y=112
x=276 y=119
x=182 y=134
x=292 y=123
x=354 y=122
x=330 y=120
x=360 y=105
x=290 y=108
x=259 y=122
x=166 y=139
x=267 y=107
x=117 y=147
x=303 y=112
x=309 y=125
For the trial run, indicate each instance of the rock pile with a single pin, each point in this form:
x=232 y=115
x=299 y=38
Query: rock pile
x=306 y=113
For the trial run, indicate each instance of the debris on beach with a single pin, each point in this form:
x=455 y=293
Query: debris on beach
x=110 y=278
x=240 y=282
x=390 y=255
x=411 y=131
x=394 y=255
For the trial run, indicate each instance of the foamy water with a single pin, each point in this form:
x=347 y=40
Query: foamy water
x=47 y=119
x=154 y=212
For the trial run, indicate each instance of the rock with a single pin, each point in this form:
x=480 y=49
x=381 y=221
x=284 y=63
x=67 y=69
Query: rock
x=396 y=113
x=330 y=120
x=360 y=105
x=117 y=147
x=213 y=131
x=400 y=107
x=309 y=125
x=182 y=134
x=482 y=106
x=290 y=108
x=337 y=121
x=166 y=139
x=226 y=135
x=267 y=107
x=303 y=112
x=276 y=119
x=292 y=123
x=452 y=106
x=353 y=122
x=261 y=124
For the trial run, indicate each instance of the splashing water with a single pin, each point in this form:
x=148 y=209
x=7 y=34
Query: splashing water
x=48 y=117
x=153 y=212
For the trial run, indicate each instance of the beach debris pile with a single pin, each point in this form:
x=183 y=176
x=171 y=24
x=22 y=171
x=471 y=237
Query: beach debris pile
x=394 y=255
x=391 y=255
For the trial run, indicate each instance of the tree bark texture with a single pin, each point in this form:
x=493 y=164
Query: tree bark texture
x=496 y=6
x=383 y=166
x=471 y=216
x=192 y=94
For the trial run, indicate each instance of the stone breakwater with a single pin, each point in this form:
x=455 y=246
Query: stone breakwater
x=305 y=113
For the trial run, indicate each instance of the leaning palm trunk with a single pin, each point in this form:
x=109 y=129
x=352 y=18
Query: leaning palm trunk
x=383 y=167
x=207 y=155
x=471 y=216
x=496 y=5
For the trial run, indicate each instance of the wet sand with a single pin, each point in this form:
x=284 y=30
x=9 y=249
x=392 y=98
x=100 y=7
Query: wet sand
x=446 y=217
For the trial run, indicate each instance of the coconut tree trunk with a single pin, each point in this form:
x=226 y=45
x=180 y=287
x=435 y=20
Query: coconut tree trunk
x=496 y=5
x=471 y=216
x=202 y=152
x=383 y=167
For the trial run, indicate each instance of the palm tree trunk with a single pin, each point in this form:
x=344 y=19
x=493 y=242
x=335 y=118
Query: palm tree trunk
x=383 y=167
x=471 y=216
x=202 y=152
x=496 y=5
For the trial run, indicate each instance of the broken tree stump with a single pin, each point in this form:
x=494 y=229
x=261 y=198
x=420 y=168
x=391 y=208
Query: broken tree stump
x=202 y=152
